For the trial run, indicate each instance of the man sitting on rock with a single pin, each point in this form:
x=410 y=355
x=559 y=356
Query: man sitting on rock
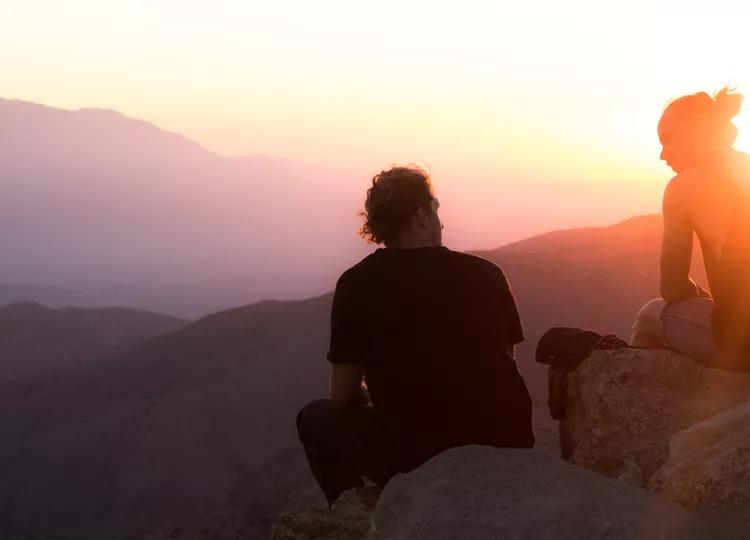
x=431 y=331
x=708 y=197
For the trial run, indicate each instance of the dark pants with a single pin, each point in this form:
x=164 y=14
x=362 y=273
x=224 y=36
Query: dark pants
x=343 y=446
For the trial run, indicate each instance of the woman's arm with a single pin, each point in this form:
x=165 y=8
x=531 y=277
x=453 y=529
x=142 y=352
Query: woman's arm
x=677 y=246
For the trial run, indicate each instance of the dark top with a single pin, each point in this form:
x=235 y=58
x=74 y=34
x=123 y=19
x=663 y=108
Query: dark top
x=433 y=328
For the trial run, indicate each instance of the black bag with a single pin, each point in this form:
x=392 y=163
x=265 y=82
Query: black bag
x=563 y=349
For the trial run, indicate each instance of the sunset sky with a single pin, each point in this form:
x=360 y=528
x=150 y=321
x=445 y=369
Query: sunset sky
x=496 y=97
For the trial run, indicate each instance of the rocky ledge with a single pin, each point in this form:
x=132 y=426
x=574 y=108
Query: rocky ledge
x=663 y=422
x=478 y=493
x=649 y=425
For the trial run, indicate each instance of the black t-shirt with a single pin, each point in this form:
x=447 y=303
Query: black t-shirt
x=433 y=328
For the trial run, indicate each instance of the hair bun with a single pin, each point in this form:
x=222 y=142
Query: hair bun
x=727 y=103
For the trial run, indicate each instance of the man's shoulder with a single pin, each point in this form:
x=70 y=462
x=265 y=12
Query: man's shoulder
x=352 y=273
x=476 y=263
x=448 y=259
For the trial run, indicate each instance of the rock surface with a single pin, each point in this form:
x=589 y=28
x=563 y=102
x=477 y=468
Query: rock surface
x=486 y=493
x=347 y=519
x=252 y=509
x=624 y=405
x=709 y=463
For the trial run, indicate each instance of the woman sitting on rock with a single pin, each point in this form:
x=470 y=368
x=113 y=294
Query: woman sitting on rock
x=709 y=196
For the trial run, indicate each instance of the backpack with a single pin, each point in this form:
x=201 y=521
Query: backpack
x=563 y=349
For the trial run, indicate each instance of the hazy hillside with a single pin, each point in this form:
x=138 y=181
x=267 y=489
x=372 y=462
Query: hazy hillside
x=167 y=428
x=107 y=210
x=596 y=277
x=38 y=340
x=173 y=426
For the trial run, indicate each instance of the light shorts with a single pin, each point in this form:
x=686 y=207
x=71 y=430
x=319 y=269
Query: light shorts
x=687 y=328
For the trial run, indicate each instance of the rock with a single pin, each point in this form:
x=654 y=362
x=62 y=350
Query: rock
x=631 y=473
x=480 y=493
x=347 y=519
x=623 y=405
x=709 y=463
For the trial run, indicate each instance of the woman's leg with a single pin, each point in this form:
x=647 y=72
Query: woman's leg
x=648 y=330
x=687 y=328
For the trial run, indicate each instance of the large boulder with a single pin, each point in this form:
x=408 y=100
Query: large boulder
x=709 y=464
x=623 y=405
x=481 y=493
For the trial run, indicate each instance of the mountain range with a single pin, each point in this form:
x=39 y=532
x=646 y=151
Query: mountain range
x=99 y=209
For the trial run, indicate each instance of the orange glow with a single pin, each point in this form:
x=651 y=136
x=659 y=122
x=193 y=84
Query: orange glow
x=495 y=97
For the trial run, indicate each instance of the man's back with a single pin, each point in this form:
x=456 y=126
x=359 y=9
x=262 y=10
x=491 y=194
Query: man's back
x=434 y=328
x=431 y=331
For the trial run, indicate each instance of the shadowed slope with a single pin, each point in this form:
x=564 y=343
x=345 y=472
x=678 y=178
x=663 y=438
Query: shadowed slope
x=578 y=277
x=38 y=340
x=164 y=429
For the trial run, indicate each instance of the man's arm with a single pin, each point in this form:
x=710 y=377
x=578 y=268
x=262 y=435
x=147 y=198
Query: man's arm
x=346 y=349
x=677 y=247
x=507 y=311
x=346 y=385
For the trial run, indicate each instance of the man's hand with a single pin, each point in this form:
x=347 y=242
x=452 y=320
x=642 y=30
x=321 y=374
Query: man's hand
x=346 y=385
x=360 y=398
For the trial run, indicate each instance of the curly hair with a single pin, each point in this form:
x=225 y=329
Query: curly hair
x=395 y=195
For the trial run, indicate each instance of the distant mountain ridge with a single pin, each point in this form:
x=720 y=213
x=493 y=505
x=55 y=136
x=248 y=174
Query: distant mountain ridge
x=172 y=426
x=101 y=209
x=167 y=428
x=109 y=210
x=639 y=233
x=36 y=340
x=19 y=114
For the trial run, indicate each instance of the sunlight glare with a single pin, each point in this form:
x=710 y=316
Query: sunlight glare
x=743 y=124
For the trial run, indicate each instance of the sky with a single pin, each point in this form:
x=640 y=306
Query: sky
x=539 y=104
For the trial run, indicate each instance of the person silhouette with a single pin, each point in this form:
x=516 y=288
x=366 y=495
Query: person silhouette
x=431 y=331
x=708 y=197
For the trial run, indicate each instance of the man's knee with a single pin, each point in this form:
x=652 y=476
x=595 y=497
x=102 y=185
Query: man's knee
x=314 y=416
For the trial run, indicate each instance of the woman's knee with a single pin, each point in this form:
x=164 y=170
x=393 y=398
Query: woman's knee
x=647 y=329
x=651 y=310
x=687 y=328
